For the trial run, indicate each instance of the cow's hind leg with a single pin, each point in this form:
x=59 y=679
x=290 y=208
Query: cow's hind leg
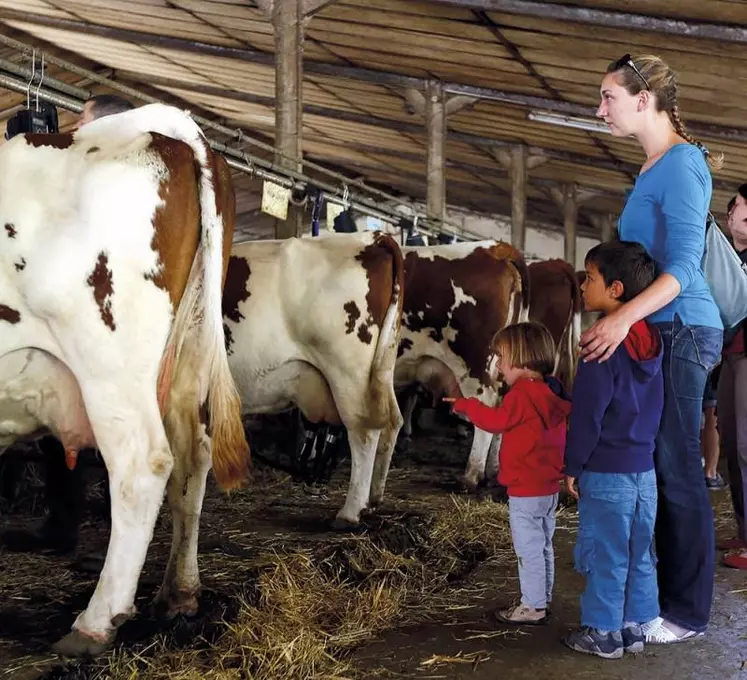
x=478 y=457
x=384 y=451
x=133 y=443
x=362 y=452
x=185 y=492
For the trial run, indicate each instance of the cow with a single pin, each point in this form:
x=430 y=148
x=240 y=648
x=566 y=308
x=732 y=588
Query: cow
x=328 y=313
x=115 y=241
x=555 y=301
x=457 y=297
x=547 y=288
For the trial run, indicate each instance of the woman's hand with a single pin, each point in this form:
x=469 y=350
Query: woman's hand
x=604 y=337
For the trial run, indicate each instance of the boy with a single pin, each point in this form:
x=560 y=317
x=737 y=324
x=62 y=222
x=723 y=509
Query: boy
x=617 y=406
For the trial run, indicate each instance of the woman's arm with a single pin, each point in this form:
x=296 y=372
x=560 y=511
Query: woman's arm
x=605 y=336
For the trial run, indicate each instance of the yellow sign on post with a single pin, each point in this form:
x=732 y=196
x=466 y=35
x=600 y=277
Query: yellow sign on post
x=275 y=200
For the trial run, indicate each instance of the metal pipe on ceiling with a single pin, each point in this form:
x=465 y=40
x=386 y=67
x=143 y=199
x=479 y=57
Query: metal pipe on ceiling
x=55 y=98
x=237 y=134
x=257 y=167
x=59 y=85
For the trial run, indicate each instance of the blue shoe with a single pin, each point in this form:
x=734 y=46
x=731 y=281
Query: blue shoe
x=589 y=640
x=633 y=639
x=715 y=483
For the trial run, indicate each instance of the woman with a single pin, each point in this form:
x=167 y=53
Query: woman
x=666 y=213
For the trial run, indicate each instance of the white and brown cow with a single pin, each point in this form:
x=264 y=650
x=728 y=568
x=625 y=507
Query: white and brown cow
x=555 y=301
x=456 y=298
x=114 y=244
x=315 y=323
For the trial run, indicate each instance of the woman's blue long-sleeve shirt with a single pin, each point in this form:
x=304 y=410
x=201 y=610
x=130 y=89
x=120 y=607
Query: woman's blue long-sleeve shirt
x=666 y=213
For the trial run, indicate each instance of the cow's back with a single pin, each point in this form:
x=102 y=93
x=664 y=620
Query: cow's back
x=456 y=298
x=325 y=302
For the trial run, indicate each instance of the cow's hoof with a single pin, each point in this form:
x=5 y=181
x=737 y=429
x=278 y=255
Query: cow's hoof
x=464 y=485
x=180 y=603
x=374 y=502
x=76 y=644
x=345 y=524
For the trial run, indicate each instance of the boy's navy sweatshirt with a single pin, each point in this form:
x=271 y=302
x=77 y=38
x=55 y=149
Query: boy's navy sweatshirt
x=617 y=407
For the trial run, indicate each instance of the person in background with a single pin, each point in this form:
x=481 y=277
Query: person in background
x=532 y=419
x=615 y=417
x=101 y=105
x=709 y=437
x=732 y=402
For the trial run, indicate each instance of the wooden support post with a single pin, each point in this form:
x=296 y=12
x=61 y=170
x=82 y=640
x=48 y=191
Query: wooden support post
x=435 y=117
x=570 y=222
x=609 y=226
x=604 y=224
x=569 y=199
x=287 y=17
x=518 y=162
x=435 y=108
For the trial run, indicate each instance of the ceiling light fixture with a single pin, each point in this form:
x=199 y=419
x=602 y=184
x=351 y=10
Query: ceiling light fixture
x=588 y=124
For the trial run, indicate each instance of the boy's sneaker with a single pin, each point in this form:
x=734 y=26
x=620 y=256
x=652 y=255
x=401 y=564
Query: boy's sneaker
x=715 y=483
x=589 y=640
x=633 y=639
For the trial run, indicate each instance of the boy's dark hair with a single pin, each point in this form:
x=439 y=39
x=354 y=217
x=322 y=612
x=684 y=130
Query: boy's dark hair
x=742 y=191
x=730 y=204
x=108 y=104
x=626 y=262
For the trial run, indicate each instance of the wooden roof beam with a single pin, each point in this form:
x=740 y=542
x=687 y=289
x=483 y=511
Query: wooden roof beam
x=401 y=126
x=342 y=71
x=609 y=18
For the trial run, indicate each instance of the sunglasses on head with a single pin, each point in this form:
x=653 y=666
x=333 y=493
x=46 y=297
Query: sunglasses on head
x=627 y=60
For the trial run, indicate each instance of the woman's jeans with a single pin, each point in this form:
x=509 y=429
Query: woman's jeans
x=684 y=525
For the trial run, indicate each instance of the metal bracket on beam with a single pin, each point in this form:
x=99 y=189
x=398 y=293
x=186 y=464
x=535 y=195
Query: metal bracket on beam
x=458 y=103
x=416 y=99
x=308 y=8
x=311 y=7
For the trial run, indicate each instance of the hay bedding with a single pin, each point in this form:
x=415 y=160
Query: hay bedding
x=284 y=597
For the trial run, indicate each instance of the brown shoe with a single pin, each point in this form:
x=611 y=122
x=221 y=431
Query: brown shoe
x=521 y=615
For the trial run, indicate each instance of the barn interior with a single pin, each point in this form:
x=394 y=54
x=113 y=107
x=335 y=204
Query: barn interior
x=453 y=118
x=442 y=109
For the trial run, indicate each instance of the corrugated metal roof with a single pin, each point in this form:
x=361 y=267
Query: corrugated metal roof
x=366 y=126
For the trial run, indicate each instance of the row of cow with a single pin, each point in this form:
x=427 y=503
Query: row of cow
x=116 y=332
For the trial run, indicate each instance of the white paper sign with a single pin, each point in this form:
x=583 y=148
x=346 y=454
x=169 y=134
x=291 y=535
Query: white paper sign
x=333 y=210
x=275 y=200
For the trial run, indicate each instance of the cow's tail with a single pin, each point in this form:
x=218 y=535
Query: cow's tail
x=568 y=346
x=521 y=311
x=519 y=302
x=574 y=337
x=230 y=451
x=385 y=355
x=199 y=313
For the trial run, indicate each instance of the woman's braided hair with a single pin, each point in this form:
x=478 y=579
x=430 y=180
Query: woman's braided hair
x=662 y=84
